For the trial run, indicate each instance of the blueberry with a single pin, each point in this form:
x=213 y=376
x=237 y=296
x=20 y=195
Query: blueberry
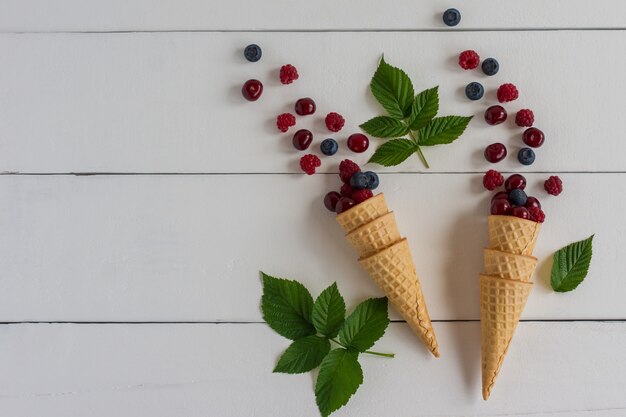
x=474 y=91
x=517 y=197
x=490 y=66
x=329 y=146
x=372 y=180
x=451 y=17
x=252 y=52
x=526 y=156
x=358 y=181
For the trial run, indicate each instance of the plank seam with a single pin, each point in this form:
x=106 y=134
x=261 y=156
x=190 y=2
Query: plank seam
x=93 y=174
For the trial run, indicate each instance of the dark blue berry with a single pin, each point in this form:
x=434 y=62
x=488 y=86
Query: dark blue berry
x=490 y=66
x=517 y=197
x=329 y=146
x=252 y=52
x=358 y=181
x=474 y=91
x=451 y=17
x=372 y=180
x=526 y=156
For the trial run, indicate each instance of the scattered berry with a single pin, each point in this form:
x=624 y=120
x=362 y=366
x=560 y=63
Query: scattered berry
x=495 y=152
x=372 y=180
x=532 y=202
x=492 y=179
x=346 y=190
x=469 y=59
x=521 y=212
x=500 y=195
x=302 y=139
x=500 y=207
x=517 y=197
x=490 y=66
x=515 y=182
x=305 y=106
x=474 y=91
x=331 y=199
x=252 y=90
x=358 y=142
x=288 y=74
x=334 y=122
x=495 y=115
x=526 y=156
x=359 y=181
x=360 y=196
x=525 y=118
x=533 y=137
x=553 y=185
x=344 y=204
x=309 y=162
x=285 y=121
x=451 y=17
x=536 y=214
x=507 y=92
x=347 y=168
x=252 y=52
x=329 y=146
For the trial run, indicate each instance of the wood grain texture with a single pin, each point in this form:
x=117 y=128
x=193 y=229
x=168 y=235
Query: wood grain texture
x=171 y=102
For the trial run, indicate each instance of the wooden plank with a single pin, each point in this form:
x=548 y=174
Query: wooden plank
x=116 y=15
x=170 y=102
x=564 y=369
x=179 y=248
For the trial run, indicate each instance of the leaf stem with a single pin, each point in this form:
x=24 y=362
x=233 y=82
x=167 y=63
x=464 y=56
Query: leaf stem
x=370 y=352
x=419 y=150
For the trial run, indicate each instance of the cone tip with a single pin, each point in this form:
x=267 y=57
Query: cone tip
x=435 y=351
x=486 y=393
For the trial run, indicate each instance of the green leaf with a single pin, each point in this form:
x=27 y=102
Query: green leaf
x=287 y=307
x=393 y=90
x=571 y=265
x=329 y=311
x=340 y=376
x=385 y=127
x=443 y=130
x=303 y=355
x=365 y=325
x=424 y=108
x=393 y=152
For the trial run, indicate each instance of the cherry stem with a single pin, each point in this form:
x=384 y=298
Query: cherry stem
x=370 y=352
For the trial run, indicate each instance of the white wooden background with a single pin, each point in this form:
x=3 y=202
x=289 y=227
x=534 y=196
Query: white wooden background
x=134 y=290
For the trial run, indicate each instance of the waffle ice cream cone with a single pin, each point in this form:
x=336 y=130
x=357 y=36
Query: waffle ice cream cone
x=375 y=235
x=363 y=213
x=513 y=235
x=509 y=266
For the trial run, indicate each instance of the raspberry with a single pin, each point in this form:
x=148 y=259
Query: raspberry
x=285 y=121
x=334 y=122
x=492 y=179
x=309 y=162
x=347 y=168
x=507 y=92
x=360 y=196
x=288 y=74
x=469 y=59
x=553 y=185
x=346 y=190
x=525 y=118
x=536 y=214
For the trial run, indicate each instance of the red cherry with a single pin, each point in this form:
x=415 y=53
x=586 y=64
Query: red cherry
x=252 y=90
x=305 y=106
x=532 y=202
x=521 y=212
x=495 y=115
x=515 y=181
x=344 y=204
x=500 y=195
x=331 y=199
x=533 y=137
x=495 y=152
x=358 y=142
x=500 y=206
x=302 y=139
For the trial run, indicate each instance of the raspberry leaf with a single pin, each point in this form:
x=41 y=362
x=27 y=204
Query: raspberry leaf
x=365 y=325
x=303 y=355
x=424 y=108
x=393 y=89
x=385 y=127
x=329 y=311
x=393 y=152
x=442 y=130
x=339 y=377
x=571 y=265
x=287 y=307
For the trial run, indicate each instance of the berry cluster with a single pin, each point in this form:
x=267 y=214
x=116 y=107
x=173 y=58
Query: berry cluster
x=357 y=187
x=513 y=201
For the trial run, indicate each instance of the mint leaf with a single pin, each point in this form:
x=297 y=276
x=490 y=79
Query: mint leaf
x=287 y=307
x=329 y=311
x=393 y=89
x=303 y=355
x=393 y=152
x=340 y=376
x=385 y=127
x=424 y=108
x=365 y=325
x=571 y=265
x=443 y=130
